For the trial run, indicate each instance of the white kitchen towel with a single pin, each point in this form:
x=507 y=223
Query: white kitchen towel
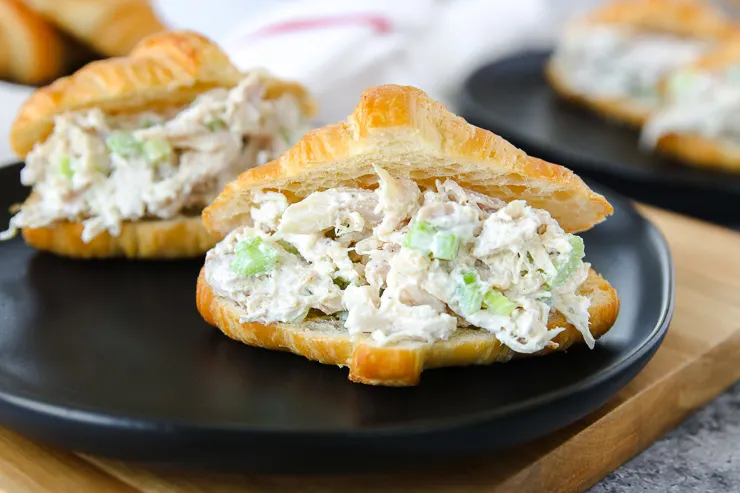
x=12 y=97
x=339 y=48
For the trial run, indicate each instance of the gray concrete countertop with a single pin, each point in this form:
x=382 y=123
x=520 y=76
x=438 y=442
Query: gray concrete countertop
x=701 y=455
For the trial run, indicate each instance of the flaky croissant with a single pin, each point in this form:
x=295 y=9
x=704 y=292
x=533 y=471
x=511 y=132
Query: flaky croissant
x=31 y=50
x=111 y=27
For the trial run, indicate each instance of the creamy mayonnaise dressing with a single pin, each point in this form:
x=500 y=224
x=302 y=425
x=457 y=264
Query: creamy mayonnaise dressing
x=705 y=103
x=105 y=169
x=621 y=62
x=404 y=264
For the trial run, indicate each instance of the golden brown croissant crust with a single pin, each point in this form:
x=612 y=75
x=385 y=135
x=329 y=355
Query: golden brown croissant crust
x=693 y=18
x=111 y=27
x=179 y=237
x=411 y=135
x=31 y=51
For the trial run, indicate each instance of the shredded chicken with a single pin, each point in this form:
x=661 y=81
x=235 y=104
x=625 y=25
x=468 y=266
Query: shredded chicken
x=404 y=264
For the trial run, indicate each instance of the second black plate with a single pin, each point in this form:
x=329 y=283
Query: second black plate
x=112 y=358
x=512 y=98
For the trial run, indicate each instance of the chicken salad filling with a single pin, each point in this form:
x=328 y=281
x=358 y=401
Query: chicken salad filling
x=404 y=264
x=620 y=62
x=102 y=169
x=699 y=102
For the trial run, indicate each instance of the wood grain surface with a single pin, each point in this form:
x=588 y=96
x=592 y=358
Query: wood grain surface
x=696 y=362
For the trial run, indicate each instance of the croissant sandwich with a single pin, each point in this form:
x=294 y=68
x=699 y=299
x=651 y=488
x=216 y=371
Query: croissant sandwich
x=402 y=239
x=698 y=122
x=31 y=52
x=614 y=59
x=123 y=155
x=111 y=27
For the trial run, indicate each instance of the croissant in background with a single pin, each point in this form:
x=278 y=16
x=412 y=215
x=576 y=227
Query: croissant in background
x=698 y=121
x=31 y=51
x=110 y=27
x=614 y=59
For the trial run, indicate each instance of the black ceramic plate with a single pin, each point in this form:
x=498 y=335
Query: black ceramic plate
x=512 y=98
x=112 y=358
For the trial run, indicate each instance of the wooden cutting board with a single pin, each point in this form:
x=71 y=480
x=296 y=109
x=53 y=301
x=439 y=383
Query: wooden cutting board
x=697 y=360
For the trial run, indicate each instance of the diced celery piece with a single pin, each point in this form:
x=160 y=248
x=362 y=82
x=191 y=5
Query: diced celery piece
x=65 y=167
x=499 y=303
x=156 y=150
x=288 y=247
x=572 y=262
x=470 y=277
x=253 y=256
x=216 y=125
x=445 y=246
x=247 y=243
x=124 y=144
x=579 y=250
x=470 y=297
x=469 y=293
x=420 y=237
x=681 y=82
x=341 y=282
x=342 y=315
